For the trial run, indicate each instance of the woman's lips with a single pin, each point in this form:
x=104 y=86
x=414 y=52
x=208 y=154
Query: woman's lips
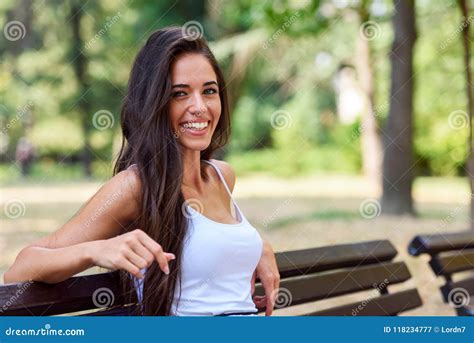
x=195 y=128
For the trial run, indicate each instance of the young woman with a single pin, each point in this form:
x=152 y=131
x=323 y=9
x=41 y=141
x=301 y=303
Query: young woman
x=166 y=219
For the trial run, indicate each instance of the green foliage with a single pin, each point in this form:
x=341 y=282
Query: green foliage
x=57 y=136
x=294 y=49
x=296 y=162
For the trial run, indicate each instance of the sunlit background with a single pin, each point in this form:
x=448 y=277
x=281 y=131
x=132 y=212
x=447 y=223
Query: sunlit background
x=325 y=144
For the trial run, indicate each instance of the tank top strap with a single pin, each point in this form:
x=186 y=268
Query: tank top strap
x=220 y=177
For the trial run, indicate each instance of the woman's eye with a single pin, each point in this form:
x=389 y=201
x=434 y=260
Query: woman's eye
x=210 y=91
x=178 y=94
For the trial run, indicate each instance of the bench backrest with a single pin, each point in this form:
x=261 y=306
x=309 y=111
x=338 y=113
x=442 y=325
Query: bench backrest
x=306 y=276
x=451 y=253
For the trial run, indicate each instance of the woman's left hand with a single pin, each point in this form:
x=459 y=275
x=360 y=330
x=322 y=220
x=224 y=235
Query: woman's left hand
x=267 y=272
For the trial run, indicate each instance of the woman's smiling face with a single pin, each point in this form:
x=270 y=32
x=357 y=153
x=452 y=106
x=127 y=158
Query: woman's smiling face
x=195 y=105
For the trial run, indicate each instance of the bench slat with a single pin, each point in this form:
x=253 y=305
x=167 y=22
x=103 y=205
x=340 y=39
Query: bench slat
x=462 y=287
x=385 y=305
x=451 y=263
x=72 y=295
x=309 y=275
x=118 y=311
x=433 y=244
x=300 y=262
x=306 y=288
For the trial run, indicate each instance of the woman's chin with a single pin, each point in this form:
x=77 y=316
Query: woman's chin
x=196 y=145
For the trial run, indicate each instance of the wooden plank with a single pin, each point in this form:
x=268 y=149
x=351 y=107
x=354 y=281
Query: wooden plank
x=461 y=288
x=301 y=262
x=72 y=295
x=76 y=294
x=385 y=305
x=312 y=287
x=433 y=244
x=118 y=311
x=451 y=263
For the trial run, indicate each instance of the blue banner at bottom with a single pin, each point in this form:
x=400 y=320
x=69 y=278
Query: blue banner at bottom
x=236 y=329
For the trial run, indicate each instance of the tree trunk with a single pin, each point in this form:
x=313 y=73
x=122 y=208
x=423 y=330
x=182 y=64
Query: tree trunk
x=398 y=160
x=467 y=65
x=371 y=146
x=80 y=69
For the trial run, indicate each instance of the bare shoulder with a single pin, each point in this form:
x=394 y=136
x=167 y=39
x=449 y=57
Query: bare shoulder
x=128 y=181
x=228 y=171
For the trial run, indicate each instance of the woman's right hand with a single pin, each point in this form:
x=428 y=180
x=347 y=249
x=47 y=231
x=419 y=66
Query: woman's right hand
x=131 y=252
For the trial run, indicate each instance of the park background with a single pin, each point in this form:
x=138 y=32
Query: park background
x=350 y=123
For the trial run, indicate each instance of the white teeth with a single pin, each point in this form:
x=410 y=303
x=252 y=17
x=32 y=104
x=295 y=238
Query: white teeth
x=195 y=126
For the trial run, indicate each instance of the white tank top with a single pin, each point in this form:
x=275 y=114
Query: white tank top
x=218 y=262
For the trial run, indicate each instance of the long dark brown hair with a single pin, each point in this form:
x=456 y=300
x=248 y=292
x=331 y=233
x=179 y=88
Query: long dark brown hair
x=149 y=141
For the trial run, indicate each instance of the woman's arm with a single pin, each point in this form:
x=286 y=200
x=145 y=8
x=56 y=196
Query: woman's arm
x=90 y=238
x=267 y=272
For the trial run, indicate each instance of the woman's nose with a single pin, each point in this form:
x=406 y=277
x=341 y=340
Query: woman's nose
x=198 y=105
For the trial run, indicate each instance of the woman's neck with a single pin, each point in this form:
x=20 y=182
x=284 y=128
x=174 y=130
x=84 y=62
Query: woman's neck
x=192 y=170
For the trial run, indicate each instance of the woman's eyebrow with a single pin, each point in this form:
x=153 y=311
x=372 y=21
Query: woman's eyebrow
x=183 y=85
x=180 y=85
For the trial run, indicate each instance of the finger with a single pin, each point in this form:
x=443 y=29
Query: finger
x=143 y=252
x=137 y=260
x=131 y=268
x=269 y=293
x=156 y=250
x=277 y=283
x=260 y=298
x=259 y=301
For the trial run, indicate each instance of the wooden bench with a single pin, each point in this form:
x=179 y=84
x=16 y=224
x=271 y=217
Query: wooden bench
x=306 y=276
x=450 y=253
